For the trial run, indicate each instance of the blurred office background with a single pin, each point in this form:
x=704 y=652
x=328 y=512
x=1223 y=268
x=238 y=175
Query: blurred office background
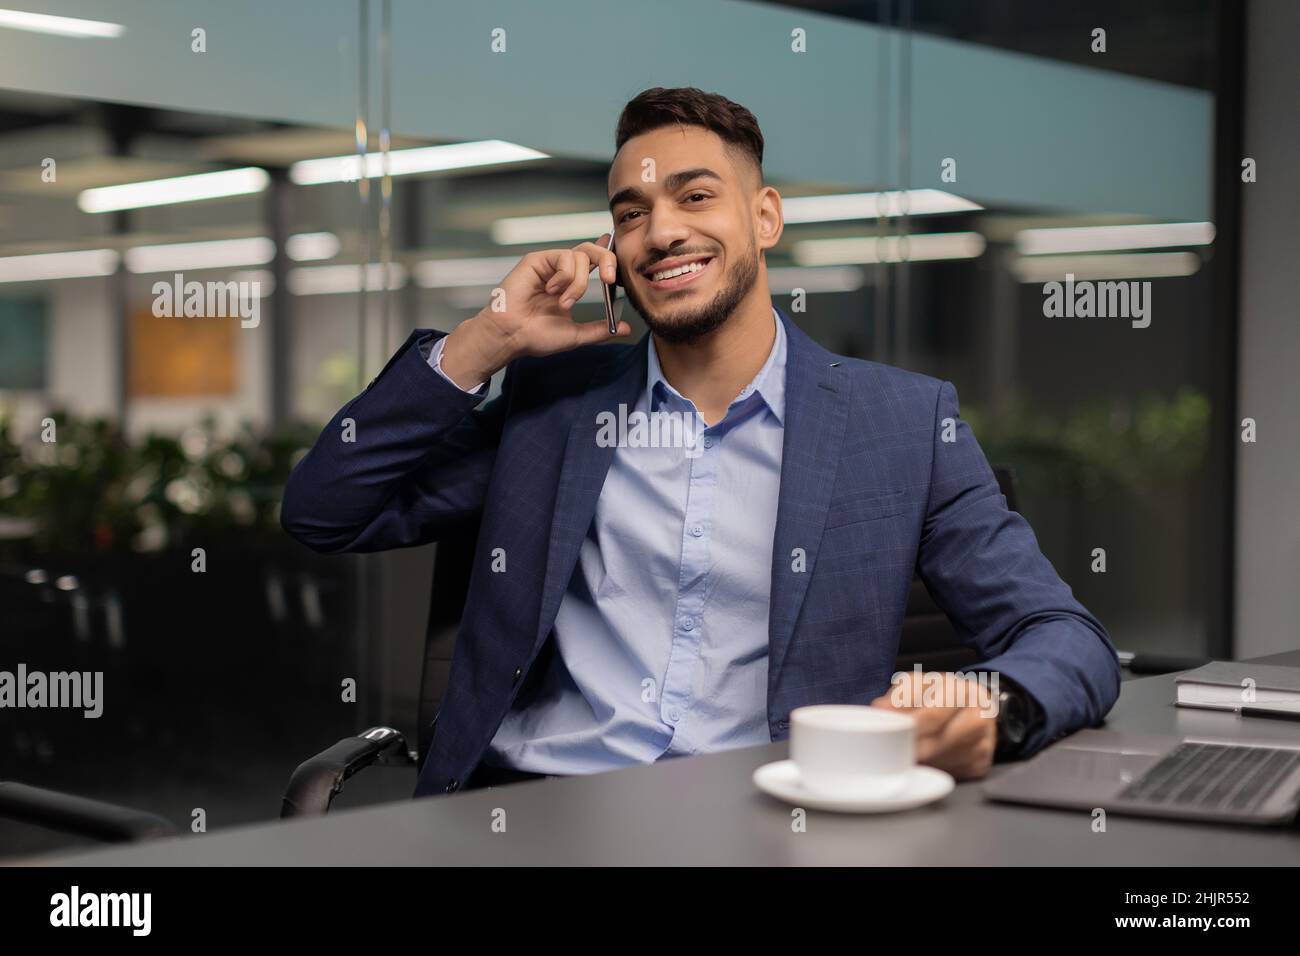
x=940 y=162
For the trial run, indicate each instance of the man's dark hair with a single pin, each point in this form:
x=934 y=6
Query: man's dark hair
x=659 y=107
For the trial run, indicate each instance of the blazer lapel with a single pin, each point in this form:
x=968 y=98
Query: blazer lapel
x=816 y=403
x=619 y=380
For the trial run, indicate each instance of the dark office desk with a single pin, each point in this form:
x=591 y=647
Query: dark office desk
x=705 y=810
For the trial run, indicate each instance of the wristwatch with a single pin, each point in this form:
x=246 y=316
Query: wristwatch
x=1019 y=717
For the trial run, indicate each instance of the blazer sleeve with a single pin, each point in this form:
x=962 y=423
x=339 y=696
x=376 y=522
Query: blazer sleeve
x=398 y=464
x=982 y=565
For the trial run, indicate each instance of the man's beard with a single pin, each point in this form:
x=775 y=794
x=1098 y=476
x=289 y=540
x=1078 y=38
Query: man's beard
x=692 y=326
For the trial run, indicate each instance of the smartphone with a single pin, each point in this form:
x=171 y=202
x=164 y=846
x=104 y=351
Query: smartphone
x=611 y=292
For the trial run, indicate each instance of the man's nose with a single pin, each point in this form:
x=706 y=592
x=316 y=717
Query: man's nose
x=665 y=230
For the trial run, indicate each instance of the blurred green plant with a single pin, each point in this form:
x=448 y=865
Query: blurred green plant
x=93 y=491
x=1142 y=445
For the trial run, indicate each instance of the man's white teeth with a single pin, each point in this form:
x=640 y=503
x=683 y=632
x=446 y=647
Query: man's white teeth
x=680 y=270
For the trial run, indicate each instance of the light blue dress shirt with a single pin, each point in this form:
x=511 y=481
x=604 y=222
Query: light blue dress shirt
x=662 y=635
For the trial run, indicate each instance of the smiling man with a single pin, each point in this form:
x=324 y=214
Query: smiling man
x=630 y=602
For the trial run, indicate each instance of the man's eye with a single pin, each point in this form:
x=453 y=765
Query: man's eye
x=701 y=195
x=623 y=218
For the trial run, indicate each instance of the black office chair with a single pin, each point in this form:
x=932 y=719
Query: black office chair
x=928 y=637
x=317 y=781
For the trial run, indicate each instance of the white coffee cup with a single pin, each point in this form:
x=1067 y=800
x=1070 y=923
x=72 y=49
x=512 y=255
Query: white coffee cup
x=852 y=749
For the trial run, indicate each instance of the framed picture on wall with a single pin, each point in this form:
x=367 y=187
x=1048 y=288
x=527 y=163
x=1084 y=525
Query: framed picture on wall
x=177 y=356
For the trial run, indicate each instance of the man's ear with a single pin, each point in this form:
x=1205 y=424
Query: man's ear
x=769 y=220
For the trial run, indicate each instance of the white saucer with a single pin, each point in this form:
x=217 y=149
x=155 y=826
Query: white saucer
x=924 y=785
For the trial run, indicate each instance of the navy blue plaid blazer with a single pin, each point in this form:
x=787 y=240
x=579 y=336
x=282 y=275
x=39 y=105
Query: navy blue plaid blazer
x=880 y=478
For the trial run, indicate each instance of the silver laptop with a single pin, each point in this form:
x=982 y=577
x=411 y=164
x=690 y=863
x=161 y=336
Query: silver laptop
x=1193 y=778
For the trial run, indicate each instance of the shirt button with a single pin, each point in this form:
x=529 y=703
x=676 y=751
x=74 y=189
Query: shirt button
x=519 y=672
x=697 y=530
x=452 y=784
x=708 y=443
x=688 y=625
x=673 y=715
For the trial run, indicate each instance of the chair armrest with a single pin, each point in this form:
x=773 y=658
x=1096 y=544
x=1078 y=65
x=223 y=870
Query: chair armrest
x=80 y=815
x=319 y=779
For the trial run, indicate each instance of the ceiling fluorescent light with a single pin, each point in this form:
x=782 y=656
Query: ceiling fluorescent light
x=783 y=280
x=215 y=254
x=521 y=230
x=164 y=192
x=920 y=247
x=312 y=246
x=229 y=253
x=333 y=280
x=1136 y=265
x=59 y=26
x=453 y=273
x=1037 y=242
x=408 y=162
x=58 y=265
x=878 y=205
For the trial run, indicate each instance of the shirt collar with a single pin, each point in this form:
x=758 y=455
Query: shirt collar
x=769 y=383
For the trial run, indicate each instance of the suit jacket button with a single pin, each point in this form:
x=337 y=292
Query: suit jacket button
x=452 y=784
x=519 y=672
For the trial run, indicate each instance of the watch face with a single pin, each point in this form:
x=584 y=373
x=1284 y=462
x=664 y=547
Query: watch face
x=1011 y=717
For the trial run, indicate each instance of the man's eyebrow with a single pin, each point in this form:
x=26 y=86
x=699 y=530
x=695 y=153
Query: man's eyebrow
x=672 y=183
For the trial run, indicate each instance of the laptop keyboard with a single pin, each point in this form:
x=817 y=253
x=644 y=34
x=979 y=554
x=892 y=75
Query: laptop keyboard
x=1213 y=777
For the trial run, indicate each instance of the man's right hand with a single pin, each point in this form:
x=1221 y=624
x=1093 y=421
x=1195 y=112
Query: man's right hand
x=536 y=318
